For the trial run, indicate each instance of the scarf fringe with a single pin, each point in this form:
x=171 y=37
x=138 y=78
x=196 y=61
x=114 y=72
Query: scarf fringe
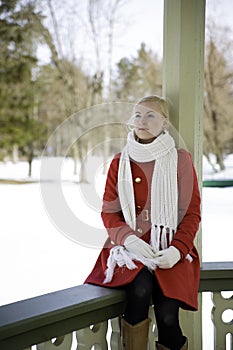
x=161 y=237
x=120 y=256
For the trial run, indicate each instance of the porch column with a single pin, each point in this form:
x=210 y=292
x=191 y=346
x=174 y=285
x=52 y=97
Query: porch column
x=183 y=73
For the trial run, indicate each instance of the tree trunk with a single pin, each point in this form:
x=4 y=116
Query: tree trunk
x=82 y=172
x=30 y=159
x=15 y=154
x=219 y=159
x=106 y=150
x=75 y=157
x=211 y=163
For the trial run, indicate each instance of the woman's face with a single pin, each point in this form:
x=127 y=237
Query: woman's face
x=148 y=121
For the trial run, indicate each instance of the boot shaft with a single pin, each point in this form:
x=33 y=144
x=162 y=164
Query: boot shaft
x=135 y=337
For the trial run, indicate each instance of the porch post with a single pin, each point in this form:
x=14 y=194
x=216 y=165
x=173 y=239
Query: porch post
x=183 y=72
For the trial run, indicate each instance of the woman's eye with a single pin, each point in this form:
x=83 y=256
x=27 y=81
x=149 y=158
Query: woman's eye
x=137 y=115
x=151 y=115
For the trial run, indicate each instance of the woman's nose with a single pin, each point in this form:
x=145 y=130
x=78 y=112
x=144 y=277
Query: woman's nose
x=143 y=119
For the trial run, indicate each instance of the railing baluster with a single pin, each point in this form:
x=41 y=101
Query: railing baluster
x=115 y=339
x=221 y=328
x=93 y=335
x=61 y=343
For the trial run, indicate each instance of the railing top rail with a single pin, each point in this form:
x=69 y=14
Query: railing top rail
x=37 y=319
x=216 y=276
x=41 y=318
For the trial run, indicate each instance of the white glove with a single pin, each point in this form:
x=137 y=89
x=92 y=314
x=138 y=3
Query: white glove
x=137 y=246
x=167 y=258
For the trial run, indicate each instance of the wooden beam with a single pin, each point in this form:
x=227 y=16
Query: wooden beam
x=183 y=76
x=183 y=69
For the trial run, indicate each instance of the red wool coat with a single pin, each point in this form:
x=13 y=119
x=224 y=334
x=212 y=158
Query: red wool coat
x=181 y=281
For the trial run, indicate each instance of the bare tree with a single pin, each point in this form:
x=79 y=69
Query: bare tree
x=103 y=17
x=111 y=15
x=99 y=20
x=218 y=106
x=70 y=83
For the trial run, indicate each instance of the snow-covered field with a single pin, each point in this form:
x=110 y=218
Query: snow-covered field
x=37 y=258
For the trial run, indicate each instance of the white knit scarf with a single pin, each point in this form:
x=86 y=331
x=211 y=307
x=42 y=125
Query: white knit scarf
x=164 y=197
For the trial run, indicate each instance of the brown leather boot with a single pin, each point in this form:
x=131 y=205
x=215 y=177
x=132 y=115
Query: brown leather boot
x=162 y=347
x=135 y=337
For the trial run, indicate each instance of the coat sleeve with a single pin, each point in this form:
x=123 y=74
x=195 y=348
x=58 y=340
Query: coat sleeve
x=111 y=214
x=189 y=214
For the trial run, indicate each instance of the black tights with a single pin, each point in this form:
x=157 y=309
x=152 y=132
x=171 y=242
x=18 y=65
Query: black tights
x=139 y=293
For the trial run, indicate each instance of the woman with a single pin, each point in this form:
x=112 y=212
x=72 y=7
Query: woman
x=151 y=210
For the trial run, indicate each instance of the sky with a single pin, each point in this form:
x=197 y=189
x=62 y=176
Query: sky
x=142 y=21
x=147 y=23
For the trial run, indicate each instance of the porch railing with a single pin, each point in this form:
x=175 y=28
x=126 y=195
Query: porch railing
x=82 y=312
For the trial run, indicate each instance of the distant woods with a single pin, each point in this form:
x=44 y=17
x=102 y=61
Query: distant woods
x=36 y=97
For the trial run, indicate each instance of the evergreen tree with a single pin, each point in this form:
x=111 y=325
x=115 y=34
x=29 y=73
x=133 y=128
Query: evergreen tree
x=19 y=124
x=138 y=76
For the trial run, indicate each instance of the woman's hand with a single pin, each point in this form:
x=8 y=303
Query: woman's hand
x=137 y=246
x=167 y=258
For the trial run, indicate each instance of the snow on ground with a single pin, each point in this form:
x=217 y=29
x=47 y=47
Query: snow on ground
x=37 y=258
x=209 y=174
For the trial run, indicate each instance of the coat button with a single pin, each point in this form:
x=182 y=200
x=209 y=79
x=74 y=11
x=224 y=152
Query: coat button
x=139 y=230
x=138 y=180
x=112 y=242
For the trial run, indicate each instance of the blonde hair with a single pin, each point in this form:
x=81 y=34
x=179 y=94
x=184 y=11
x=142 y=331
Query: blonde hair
x=161 y=101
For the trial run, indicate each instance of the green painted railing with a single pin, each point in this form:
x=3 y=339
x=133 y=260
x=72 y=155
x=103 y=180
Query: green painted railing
x=39 y=319
x=217 y=183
